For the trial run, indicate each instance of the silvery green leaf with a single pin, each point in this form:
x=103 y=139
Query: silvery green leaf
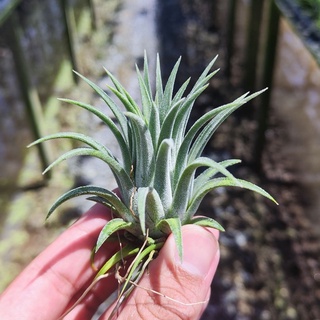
x=163 y=173
x=209 y=173
x=173 y=225
x=103 y=201
x=150 y=110
x=146 y=97
x=150 y=210
x=178 y=96
x=141 y=196
x=122 y=140
x=217 y=116
x=146 y=76
x=122 y=177
x=221 y=182
x=165 y=104
x=159 y=86
x=71 y=135
x=74 y=153
x=123 y=95
x=183 y=115
x=168 y=121
x=205 y=72
x=154 y=126
x=127 y=101
x=122 y=210
x=183 y=190
x=206 y=222
x=251 y=186
x=112 y=226
x=154 y=208
x=145 y=158
x=147 y=104
x=207 y=132
x=110 y=103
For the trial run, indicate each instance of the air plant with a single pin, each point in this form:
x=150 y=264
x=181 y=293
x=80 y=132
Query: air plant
x=159 y=189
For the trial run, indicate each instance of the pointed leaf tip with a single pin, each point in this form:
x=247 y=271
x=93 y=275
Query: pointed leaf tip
x=207 y=222
x=112 y=226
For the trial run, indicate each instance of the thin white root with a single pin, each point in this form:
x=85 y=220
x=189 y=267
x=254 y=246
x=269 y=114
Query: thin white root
x=167 y=297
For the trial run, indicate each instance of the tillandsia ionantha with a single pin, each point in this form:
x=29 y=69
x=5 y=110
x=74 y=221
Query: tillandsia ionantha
x=159 y=190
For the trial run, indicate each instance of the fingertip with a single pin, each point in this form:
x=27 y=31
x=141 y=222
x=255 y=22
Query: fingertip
x=200 y=251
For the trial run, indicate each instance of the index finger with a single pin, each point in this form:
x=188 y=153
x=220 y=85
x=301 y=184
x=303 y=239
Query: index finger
x=43 y=290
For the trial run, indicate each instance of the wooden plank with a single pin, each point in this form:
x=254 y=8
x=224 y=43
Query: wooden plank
x=232 y=9
x=252 y=44
x=69 y=21
x=267 y=81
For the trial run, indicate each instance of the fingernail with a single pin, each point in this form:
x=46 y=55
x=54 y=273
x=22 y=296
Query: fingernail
x=199 y=250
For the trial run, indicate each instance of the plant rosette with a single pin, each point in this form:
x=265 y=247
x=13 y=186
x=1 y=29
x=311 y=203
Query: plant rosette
x=159 y=189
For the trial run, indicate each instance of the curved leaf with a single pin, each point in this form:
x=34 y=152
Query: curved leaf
x=169 y=120
x=209 y=173
x=127 y=101
x=71 y=135
x=154 y=208
x=184 y=187
x=122 y=210
x=154 y=126
x=163 y=173
x=206 y=222
x=122 y=140
x=74 y=153
x=205 y=72
x=150 y=210
x=110 y=103
x=159 y=85
x=141 y=197
x=185 y=111
x=144 y=162
x=207 y=132
x=221 y=182
x=145 y=90
x=165 y=103
x=217 y=116
x=122 y=177
x=123 y=95
x=111 y=227
x=178 y=96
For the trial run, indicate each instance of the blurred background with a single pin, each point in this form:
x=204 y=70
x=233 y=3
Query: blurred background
x=270 y=265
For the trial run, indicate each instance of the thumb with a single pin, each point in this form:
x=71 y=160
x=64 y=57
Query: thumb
x=175 y=289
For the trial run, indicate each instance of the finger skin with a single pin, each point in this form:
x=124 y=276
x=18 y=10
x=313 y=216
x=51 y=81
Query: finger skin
x=188 y=282
x=46 y=287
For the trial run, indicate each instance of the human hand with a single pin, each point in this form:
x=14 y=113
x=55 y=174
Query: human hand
x=54 y=281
